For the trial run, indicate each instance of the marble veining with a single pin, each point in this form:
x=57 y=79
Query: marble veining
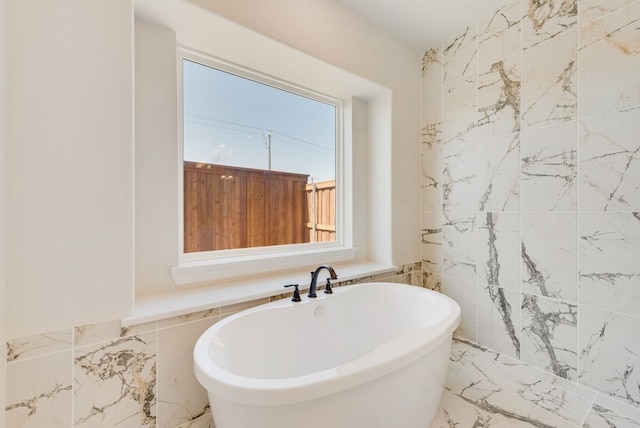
x=610 y=353
x=549 y=168
x=610 y=282
x=550 y=335
x=545 y=19
x=40 y=344
x=459 y=55
x=498 y=173
x=431 y=68
x=39 y=391
x=459 y=180
x=498 y=243
x=431 y=138
x=601 y=417
x=116 y=382
x=431 y=238
x=431 y=183
x=549 y=87
x=594 y=9
x=610 y=62
x=499 y=34
x=517 y=395
x=549 y=255
x=499 y=98
x=458 y=245
x=610 y=162
x=498 y=320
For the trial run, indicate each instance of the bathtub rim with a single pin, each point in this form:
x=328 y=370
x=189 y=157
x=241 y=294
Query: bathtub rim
x=381 y=361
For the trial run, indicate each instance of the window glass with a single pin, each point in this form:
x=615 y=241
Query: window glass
x=259 y=163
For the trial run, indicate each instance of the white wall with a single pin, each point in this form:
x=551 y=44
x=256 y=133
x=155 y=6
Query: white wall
x=328 y=31
x=70 y=163
x=3 y=169
x=156 y=162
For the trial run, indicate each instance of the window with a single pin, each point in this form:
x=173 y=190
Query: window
x=259 y=161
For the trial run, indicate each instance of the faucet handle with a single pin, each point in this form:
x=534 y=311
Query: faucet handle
x=327 y=288
x=296 y=293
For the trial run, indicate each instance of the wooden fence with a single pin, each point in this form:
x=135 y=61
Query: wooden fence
x=321 y=201
x=229 y=207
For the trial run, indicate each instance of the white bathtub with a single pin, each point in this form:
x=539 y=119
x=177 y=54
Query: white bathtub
x=369 y=355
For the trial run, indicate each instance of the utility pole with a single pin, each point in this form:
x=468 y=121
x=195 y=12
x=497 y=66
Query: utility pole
x=267 y=137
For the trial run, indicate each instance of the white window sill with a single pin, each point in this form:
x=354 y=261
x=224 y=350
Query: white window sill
x=186 y=301
x=207 y=271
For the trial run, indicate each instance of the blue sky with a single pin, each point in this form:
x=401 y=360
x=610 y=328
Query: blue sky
x=227 y=118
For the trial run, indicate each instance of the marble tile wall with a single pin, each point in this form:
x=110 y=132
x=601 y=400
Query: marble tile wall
x=141 y=376
x=531 y=188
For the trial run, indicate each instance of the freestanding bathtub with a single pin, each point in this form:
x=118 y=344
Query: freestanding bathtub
x=369 y=355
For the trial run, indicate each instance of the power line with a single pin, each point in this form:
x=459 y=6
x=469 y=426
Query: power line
x=323 y=149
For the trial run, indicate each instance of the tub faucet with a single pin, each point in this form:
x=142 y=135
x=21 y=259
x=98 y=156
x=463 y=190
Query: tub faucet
x=314 y=280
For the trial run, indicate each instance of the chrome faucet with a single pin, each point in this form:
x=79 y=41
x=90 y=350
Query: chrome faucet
x=314 y=280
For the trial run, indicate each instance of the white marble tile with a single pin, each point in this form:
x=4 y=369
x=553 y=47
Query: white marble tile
x=180 y=397
x=432 y=281
x=601 y=417
x=545 y=20
x=464 y=293
x=90 y=334
x=212 y=314
x=509 y=388
x=459 y=245
x=499 y=319
x=609 y=60
x=459 y=178
x=498 y=181
x=463 y=352
x=39 y=344
x=459 y=55
x=115 y=383
x=39 y=392
x=613 y=412
x=499 y=34
x=499 y=98
x=459 y=112
x=550 y=335
x=431 y=183
x=549 y=255
x=610 y=353
x=431 y=68
x=410 y=274
x=609 y=261
x=431 y=238
x=610 y=162
x=455 y=412
x=590 y=10
x=431 y=138
x=499 y=250
x=549 y=87
x=549 y=168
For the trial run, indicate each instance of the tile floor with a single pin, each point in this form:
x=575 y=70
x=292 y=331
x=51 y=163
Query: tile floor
x=487 y=389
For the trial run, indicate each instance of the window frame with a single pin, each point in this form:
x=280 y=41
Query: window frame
x=211 y=266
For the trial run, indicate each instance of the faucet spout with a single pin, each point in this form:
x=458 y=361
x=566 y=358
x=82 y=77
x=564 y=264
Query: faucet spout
x=314 y=279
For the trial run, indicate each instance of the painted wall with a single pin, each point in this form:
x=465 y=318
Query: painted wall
x=531 y=186
x=3 y=185
x=70 y=163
